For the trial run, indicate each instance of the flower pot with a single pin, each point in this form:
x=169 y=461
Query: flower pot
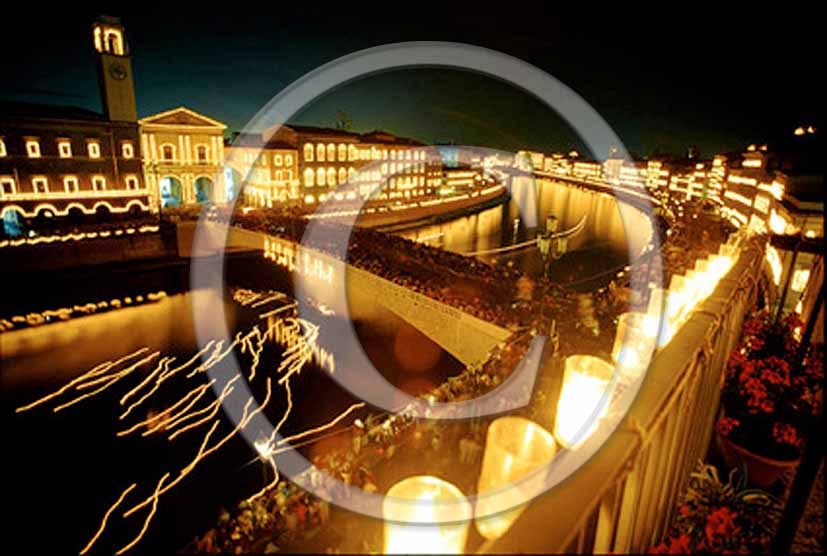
x=761 y=471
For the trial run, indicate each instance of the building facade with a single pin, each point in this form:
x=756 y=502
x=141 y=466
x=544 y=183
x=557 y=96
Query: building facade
x=59 y=162
x=183 y=158
x=306 y=165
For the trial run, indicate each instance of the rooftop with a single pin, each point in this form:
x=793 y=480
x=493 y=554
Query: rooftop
x=30 y=110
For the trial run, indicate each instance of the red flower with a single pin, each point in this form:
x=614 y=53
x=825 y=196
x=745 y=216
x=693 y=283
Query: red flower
x=721 y=523
x=784 y=433
x=677 y=545
x=725 y=426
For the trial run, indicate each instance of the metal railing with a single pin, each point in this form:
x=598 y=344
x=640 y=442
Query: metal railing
x=624 y=498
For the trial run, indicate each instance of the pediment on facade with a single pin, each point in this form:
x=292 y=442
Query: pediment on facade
x=181 y=117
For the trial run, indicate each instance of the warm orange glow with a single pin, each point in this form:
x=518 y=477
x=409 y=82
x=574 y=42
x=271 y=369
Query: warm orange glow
x=514 y=447
x=583 y=399
x=415 y=518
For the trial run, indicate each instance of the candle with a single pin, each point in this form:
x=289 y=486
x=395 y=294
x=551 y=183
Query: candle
x=582 y=399
x=425 y=515
x=634 y=343
x=514 y=447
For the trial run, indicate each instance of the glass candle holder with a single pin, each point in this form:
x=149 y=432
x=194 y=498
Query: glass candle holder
x=634 y=343
x=583 y=401
x=425 y=515
x=514 y=447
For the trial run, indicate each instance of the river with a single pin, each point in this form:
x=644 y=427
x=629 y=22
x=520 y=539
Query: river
x=64 y=469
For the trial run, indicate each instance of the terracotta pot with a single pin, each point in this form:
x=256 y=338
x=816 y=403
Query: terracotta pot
x=762 y=471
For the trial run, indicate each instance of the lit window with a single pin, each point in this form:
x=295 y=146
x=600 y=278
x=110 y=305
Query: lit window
x=352 y=153
x=342 y=175
x=308 y=152
x=331 y=176
x=331 y=152
x=128 y=150
x=288 y=159
x=393 y=155
x=167 y=152
x=320 y=176
x=33 y=148
x=94 y=150
x=2 y=147
x=64 y=148
x=132 y=183
x=309 y=178
x=70 y=184
x=342 y=152
x=277 y=160
x=201 y=153
x=40 y=185
x=279 y=176
x=320 y=152
x=7 y=186
x=99 y=183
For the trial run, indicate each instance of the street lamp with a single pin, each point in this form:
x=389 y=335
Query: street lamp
x=551 y=248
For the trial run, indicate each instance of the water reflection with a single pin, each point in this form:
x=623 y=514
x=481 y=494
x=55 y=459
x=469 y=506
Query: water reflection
x=611 y=230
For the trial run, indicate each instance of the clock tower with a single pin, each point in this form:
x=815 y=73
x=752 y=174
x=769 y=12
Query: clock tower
x=114 y=70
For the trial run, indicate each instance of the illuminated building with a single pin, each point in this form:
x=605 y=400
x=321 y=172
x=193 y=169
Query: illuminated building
x=461 y=179
x=537 y=158
x=64 y=163
x=183 y=154
x=626 y=173
x=587 y=170
x=330 y=158
x=272 y=170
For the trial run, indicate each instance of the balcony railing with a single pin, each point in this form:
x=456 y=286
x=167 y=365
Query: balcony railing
x=624 y=498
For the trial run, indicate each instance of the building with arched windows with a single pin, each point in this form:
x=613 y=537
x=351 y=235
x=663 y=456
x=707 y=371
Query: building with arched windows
x=62 y=162
x=183 y=156
x=376 y=164
x=263 y=173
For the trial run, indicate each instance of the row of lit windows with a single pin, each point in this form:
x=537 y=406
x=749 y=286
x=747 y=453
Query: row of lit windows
x=322 y=177
x=258 y=175
x=64 y=148
x=168 y=151
x=41 y=186
x=278 y=159
x=344 y=153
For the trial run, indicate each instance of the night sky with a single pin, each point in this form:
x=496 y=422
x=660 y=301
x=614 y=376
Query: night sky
x=673 y=78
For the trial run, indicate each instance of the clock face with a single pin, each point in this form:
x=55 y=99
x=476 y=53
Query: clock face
x=117 y=71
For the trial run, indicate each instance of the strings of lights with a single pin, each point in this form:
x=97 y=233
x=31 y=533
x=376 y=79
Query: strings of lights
x=298 y=338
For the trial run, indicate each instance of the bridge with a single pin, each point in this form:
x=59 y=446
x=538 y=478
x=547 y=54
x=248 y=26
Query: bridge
x=463 y=335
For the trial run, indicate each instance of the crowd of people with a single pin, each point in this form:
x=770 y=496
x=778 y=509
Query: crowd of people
x=495 y=293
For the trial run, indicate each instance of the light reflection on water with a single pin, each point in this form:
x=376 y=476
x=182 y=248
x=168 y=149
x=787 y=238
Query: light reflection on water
x=494 y=227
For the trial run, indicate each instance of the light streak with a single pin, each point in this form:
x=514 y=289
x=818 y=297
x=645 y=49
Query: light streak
x=148 y=517
x=322 y=428
x=106 y=517
x=98 y=369
x=111 y=380
x=296 y=336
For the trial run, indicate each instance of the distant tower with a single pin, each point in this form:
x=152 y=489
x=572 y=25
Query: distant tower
x=114 y=70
